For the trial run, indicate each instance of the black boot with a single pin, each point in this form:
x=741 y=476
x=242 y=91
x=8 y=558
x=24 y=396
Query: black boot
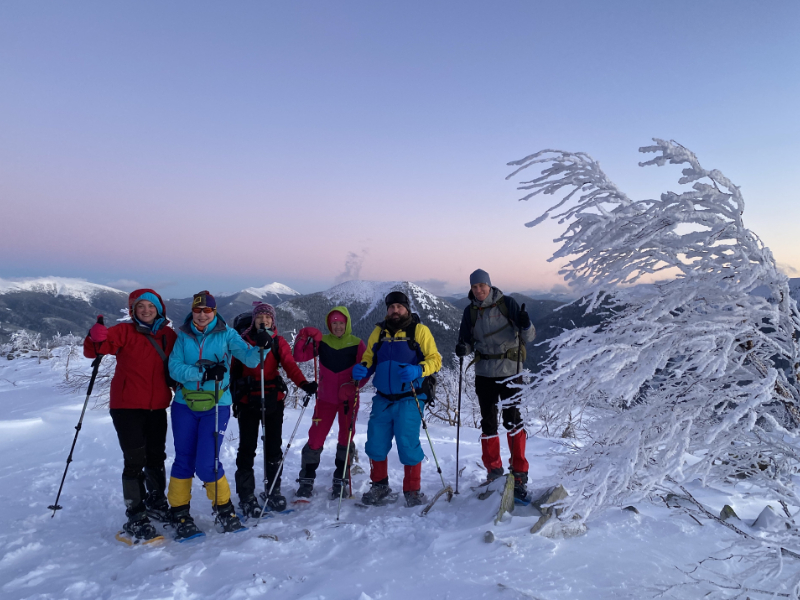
x=276 y=501
x=183 y=523
x=414 y=498
x=227 y=519
x=140 y=527
x=305 y=488
x=338 y=485
x=520 y=488
x=155 y=480
x=250 y=507
x=378 y=493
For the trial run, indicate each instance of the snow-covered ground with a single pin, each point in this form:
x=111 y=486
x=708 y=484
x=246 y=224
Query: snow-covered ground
x=389 y=552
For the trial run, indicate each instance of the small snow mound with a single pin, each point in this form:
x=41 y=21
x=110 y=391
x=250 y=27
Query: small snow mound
x=57 y=286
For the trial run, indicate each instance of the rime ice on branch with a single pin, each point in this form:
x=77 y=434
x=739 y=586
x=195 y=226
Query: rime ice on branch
x=690 y=377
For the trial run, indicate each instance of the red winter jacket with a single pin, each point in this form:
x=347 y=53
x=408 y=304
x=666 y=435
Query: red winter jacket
x=139 y=380
x=240 y=371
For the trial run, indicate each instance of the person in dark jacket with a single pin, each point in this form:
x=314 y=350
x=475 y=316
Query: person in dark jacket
x=495 y=328
x=140 y=395
x=338 y=352
x=247 y=406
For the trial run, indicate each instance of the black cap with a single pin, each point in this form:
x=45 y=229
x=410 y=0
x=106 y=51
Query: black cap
x=397 y=298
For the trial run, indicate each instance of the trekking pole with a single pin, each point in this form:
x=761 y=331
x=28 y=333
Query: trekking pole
x=285 y=453
x=458 y=413
x=445 y=487
x=216 y=449
x=95 y=366
x=263 y=416
x=347 y=452
x=519 y=380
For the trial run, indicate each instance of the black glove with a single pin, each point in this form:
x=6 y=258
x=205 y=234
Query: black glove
x=263 y=339
x=215 y=372
x=523 y=319
x=461 y=349
x=309 y=387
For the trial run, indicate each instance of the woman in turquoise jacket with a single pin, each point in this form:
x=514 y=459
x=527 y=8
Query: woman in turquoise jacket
x=200 y=359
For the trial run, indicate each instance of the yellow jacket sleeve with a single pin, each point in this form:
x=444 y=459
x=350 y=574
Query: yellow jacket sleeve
x=433 y=360
x=368 y=356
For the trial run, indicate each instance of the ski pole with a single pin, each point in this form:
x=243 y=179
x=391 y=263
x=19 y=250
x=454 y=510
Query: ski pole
x=458 y=413
x=519 y=380
x=95 y=366
x=263 y=415
x=436 y=460
x=347 y=452
x=285 y=453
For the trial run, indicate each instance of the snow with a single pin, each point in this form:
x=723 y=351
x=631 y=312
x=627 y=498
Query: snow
x=57 y=286
x=275 y=288
x=381 y=553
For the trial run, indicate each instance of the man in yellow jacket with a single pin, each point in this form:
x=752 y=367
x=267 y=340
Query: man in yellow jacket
x=402 y=353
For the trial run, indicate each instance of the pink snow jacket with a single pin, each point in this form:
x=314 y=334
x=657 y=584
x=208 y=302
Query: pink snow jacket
x=337 y=357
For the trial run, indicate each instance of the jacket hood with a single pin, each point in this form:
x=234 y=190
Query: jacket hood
x=162 y=313
x=348 y=339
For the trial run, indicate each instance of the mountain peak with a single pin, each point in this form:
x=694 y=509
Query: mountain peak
x=274 y=288
x=57 y=286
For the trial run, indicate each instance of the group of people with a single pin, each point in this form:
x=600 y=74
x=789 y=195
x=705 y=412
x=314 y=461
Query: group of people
x=206 y=371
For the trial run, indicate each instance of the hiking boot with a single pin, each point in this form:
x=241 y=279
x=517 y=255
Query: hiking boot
x=494 y=474
x=414 y=498
x=377 y=493
x=251 y=509
x=183 y=523
x=275 y=501
x=520 y=488
x=158 y=509
x=338 y=485
x=140 y=527
x=306 y=487
x=227 y=519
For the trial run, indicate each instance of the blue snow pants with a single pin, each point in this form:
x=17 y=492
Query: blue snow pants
x=193 y=433
x=399 y=419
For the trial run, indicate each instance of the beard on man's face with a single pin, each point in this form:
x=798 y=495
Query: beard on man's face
x=397 y=319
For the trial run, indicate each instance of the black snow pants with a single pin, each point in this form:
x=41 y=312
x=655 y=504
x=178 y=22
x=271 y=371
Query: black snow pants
x=249 y=416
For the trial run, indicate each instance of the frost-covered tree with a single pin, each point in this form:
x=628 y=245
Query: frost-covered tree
x=690 y=377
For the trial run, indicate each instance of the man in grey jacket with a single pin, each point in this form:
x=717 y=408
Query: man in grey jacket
x=492 y=327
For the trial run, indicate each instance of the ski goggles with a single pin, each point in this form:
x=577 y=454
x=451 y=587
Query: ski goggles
x=203 y=309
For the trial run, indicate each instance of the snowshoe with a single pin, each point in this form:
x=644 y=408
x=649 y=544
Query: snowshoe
x=491 y=476
x=521 y=495
x=227 y=520
x=336 y=491
x=250 y=507
x=158 y=509
x=139 y=529
x=414 y=498
x=184 y=526
x=378 y=495
x=306 y=487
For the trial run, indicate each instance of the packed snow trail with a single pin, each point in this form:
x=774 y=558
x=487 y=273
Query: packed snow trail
x=385 y=552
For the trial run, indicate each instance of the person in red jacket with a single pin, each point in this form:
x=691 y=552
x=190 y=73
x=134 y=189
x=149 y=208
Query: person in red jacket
x=140 y=395
x=247 y=408
x=338 y=352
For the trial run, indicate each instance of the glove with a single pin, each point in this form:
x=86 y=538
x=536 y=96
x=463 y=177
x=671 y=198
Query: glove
x=410 y=373
x=263 y=339
x=523 y=320
x=461 y=349
x=98 y=333
x=214 y=372
x=359 y=372
x=309 y=387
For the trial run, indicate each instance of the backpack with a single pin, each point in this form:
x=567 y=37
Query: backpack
x=428 y=383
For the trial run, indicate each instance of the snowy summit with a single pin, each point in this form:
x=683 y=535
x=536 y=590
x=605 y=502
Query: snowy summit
x=57 y=286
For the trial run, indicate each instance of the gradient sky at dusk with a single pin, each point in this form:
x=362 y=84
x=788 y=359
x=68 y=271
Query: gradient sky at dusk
x=205 y=144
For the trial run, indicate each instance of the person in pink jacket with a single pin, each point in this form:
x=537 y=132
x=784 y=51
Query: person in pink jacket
x=339 y=351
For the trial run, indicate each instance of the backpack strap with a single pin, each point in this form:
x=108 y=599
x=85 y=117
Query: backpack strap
x=500 y=304
x=162 y=352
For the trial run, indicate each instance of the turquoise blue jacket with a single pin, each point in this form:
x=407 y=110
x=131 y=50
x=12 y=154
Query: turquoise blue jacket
x=193 y=349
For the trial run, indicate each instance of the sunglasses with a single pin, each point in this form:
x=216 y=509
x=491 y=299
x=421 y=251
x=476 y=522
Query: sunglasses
x=205 y=309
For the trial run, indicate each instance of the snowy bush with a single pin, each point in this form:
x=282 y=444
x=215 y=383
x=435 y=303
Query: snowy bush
x=690 y=377
x=445 y=409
